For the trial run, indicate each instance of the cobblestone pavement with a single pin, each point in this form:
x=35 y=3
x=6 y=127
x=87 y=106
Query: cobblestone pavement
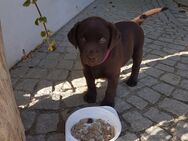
x=155 y=110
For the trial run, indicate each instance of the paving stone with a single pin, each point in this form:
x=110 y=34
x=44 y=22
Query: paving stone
x=78 y=66
x=157 y=116
x=36 y=73
x=78 y=79
x=149 y=95
x=70 y=56
x=79 y=100
x=182 y=66
x=28 y=118
x=137 y=121
x=65 y=64
x=155 y=133
x=50 y=61
x=46 y=123
x=122 y=91
x=164 y=88
x=180 y=95
x=18 y=72
x=184 y=59
x=171 y=78
x=128 y=137
x=45 y=103
x=34 y=61
x=169 y=62
x=179 y=108
x=184 y=84
x=149 y=81
x=35 y=138
x=158 y=52
x=181 y=130
x=58 y=75
x=137 y=102
x=44 y=87
x=22 y=98
x=27 y=84
x=154 y=72
x=183 y=73
x=56 y=137
x=165 y=68
x=121 y=105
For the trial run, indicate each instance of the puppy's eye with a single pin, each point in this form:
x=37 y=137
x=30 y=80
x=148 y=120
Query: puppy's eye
x=83 y=39
x=102 y=40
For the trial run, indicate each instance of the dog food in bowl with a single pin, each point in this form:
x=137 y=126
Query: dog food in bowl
x=89 y=129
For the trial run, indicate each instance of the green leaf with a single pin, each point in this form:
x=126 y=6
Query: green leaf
x=52 y=46
x=27 y=3
x=43 y=19
x=43 y=34
x=37 y=21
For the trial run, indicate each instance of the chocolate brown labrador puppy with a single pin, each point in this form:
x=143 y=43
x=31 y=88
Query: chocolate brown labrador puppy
x=106 y=47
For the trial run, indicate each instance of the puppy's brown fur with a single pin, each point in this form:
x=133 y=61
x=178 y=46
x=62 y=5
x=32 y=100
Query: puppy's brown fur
x=95 y=37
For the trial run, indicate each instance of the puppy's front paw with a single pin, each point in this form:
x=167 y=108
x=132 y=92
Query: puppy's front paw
x=131 y=82
x=90 y=97
x=106 y=103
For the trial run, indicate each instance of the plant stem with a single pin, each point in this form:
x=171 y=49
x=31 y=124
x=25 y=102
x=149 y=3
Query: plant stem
x=40 y=14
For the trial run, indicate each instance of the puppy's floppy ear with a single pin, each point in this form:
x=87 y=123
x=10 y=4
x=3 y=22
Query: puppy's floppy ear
x=72 y=35
x=115 y=35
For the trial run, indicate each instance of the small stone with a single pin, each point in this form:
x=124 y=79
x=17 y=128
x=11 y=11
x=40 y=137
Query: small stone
x=180 y=95
x=27 y=85
x=28 y=118
x=179 y=108
x=149 y=95
x=47 y=123
x=171 y=78
x=128 y=137
x=164 y=88
x=137 y=102
x=56 y=137
x=137 y=121
x=36 y=138
x=157 y=116
x=182 y=130
x=155 y=133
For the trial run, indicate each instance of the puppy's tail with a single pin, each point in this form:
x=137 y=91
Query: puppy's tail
x=140 y=19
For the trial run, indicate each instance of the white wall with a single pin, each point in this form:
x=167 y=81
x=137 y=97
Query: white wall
x=19 y=31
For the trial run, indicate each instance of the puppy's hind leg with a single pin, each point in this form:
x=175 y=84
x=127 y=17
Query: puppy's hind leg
x=137 y=59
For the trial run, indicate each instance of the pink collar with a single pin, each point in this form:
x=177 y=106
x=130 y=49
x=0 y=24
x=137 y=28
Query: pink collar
x=106 y=56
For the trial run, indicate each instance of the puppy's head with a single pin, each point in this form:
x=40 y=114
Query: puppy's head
x=93 y=36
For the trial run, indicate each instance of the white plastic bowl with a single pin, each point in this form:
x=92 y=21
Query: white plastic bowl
x=101 y=112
